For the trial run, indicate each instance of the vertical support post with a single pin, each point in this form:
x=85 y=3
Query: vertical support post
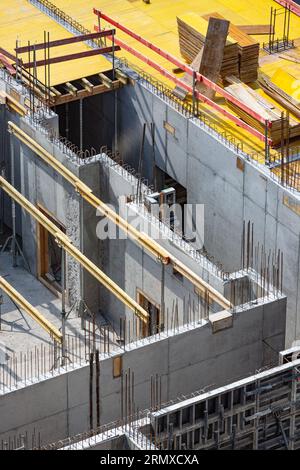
x=80 y=124
x=98 y=387
x=115 y=94
x=91 y=389
x=81 y=309
x=271 y=30
x=1 y=302
x=162 y=299
x=67 y=120
x=63 y=304
x=194 y=95
x=2 y=204
x=267 y=147
x=17 y=60
x=13 y=204
x=113 y=54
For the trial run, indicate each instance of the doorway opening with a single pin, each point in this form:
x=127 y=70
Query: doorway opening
x=164 y=181
x=49 y=256
x=153 y=326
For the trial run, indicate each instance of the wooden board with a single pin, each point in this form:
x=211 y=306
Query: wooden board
x=265 y=109
x=279 y=95
x=256 y=30
x=188 y=79
x=248 y=50
x=192 y=31
x=213 y=53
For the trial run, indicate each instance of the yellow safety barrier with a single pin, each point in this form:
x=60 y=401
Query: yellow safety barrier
x=144 y=240
x=32 y=311
x=64 y=241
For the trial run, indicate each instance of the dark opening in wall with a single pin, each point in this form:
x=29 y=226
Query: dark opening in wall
x=88 y=123
x=49 y=256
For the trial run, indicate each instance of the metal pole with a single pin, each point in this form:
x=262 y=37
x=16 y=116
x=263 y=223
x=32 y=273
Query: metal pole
x=80 y=124
x=1 y=302
x=194 y=96
x=63 y=303
x=162 y=302
x=81 y=309
x=267 y=149
x=13 y=204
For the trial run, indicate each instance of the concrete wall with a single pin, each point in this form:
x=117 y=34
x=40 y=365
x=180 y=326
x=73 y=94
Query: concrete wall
x=132 y=268
x=187 y=361
x=208 y=169
x=43 y=186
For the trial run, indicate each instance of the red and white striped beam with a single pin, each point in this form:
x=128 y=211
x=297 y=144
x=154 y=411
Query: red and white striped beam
x=292 y=5
x=184 y=67
x=7 y=64
x=188 y=88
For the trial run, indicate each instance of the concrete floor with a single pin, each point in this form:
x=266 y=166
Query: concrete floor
x=26 y=350
x=19 y=332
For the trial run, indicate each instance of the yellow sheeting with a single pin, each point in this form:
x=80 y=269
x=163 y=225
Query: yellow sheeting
x=287 y=82
x=20 y=20
x=157 y=23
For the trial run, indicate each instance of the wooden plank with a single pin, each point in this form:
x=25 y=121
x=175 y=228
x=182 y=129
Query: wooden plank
x=257 y=29
x=65 y=58
x=192 y=30
x=248 y=51
x=106 y=80
x=195 y=65
x=242 y=38
x=81 y=94
x=279 y=95
x=213 y=53
x=262 y=107
x=62 y=42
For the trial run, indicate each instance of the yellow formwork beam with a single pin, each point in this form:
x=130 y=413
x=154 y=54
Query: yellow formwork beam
x=64 y=241
x=5 y=98
x=88 y=195
x=144 y=240
x=32 y=311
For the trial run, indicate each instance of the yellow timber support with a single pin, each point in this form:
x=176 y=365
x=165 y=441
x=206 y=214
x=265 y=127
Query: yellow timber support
x=64 y=241
x=32 y=311
x=144 y=240
x=13 y=104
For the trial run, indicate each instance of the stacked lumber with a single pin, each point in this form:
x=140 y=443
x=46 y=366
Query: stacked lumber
x=267 y=110
x=279 y=95
x=248 y=50
x=192 y=31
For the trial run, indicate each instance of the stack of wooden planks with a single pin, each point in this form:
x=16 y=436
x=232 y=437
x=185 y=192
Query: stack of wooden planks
x=266 y=110
x=192 y=31
x=248 y=49
x=279 y=95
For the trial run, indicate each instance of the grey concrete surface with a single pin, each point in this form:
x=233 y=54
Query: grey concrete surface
x=187 y=360
x=208 y=169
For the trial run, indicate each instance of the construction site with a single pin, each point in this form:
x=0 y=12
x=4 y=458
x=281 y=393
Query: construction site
x=150 y=225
